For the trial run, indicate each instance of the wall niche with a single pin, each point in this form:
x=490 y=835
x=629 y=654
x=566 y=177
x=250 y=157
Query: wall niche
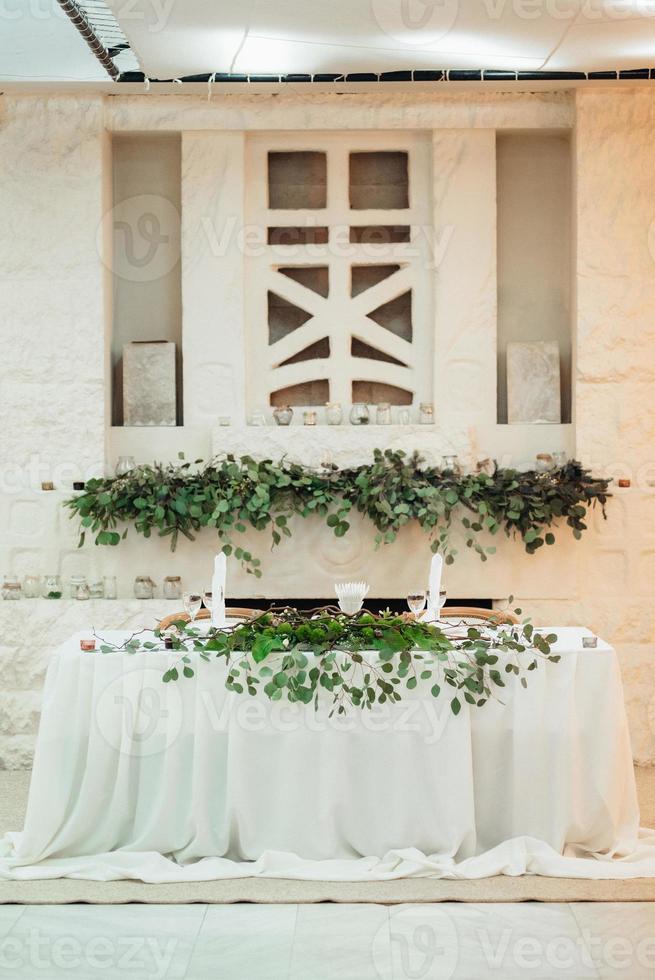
x=534 y=251
x=146 y=273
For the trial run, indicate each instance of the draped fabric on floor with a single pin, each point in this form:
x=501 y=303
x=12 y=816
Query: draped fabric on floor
x=134 y=778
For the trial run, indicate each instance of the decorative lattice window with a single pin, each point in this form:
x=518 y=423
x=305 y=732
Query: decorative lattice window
x=339 y=303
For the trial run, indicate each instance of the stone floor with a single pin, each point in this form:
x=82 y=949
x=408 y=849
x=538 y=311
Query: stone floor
x=322 y=942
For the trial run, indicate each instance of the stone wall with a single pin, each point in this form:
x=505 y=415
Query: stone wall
x=29 y=633
x=55 y=311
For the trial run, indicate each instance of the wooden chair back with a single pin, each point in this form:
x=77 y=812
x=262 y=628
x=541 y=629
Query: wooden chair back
x=233 y=612
x=472 y=615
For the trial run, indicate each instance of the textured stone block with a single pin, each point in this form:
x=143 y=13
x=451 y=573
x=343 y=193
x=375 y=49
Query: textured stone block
x=149 y=396
x=533 y=382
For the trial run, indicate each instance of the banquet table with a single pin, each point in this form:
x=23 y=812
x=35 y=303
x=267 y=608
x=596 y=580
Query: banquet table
x=135 y=778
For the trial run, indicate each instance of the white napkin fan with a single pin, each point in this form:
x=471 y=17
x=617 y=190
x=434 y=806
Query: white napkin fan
x=351 y=596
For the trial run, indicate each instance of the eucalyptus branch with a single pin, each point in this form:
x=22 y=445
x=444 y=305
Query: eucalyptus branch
x=231 y=495
x=357 y=660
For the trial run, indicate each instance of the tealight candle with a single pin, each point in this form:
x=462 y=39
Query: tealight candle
x=87 y=645
x=589 y=642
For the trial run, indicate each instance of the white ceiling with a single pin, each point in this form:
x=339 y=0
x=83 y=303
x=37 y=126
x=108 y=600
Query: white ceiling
x=173 y=38
x=39 y=43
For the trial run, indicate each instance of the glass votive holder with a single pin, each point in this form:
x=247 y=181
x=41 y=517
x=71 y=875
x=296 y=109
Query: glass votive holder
x=309 y=418
x=125 y=465
x=87 y=646
x=97 y=589
x=32 y=586
x=283 y=414
x=404 y=416
x=11 y=588
x=109 y=586
x=450 y=463
x=172 y=587
x=359 y=414
x=79 y=588
x=590 y=642
x=52 y=587
x=383 y=414
x=426 y=413
x=144 y=587
x=257 y=418
x=333 y=413
x=224 y=421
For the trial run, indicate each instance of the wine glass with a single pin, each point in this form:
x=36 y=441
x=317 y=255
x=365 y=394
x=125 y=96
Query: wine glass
x=443 y=595
x=416 y=602
x=192 y=603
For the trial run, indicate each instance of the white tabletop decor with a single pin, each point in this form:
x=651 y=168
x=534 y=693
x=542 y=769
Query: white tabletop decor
x=351 y=596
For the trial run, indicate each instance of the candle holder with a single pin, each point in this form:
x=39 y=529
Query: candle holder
x=144 y=587
x=383 y=414
x=11 y=588
x=333 y=413
x=125 y=465
x=359 y=414
x=52 y=587
x=283 y=414
x=590 y=642
x=87 y=646
x=172 y=587
x=32 y=586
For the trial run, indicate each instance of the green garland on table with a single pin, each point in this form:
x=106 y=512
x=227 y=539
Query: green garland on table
x=230 y=494
x=294 y=655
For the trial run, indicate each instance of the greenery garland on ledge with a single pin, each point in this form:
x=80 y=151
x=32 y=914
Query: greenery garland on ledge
x=231 y=494
x=359 y=660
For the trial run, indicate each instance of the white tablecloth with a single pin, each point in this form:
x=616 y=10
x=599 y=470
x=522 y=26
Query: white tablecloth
x=134 y=778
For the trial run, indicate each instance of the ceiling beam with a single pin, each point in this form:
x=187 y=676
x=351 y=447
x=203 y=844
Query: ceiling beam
x=81 y=23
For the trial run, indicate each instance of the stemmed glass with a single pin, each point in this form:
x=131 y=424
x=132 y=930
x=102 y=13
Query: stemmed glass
x=208 y=599
x=416 y=602
x=192 y=603
x=440 y=604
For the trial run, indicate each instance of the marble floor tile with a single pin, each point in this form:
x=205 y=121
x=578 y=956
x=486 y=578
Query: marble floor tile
x=449 y=941
x=9 y=916
x=620 y=937
x=341 y=942
x=459 y=941
x=244 y=942
x=117 y=942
